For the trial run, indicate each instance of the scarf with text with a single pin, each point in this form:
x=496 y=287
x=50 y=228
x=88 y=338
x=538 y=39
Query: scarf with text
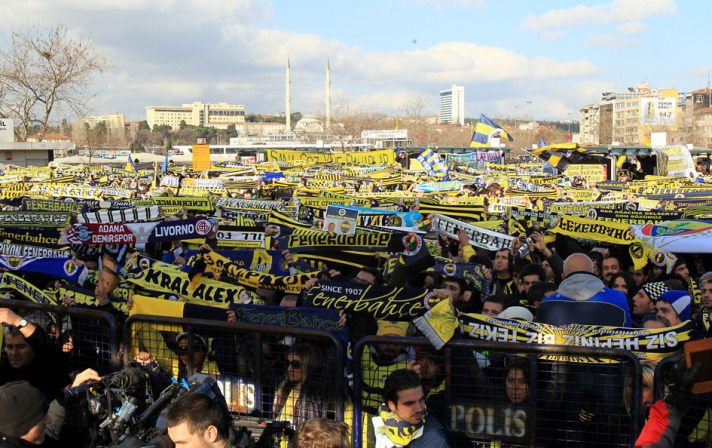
x=210 y=261
x=477 y=236
x=379 y=302
x=267 y=261
x=34 y=219
x=39 y=205
x=143 y=232
x=124 y=215
x=206 y=292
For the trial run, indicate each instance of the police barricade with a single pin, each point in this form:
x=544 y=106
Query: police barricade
x=266 y=373
x=696 y=425
x=88 y=338
x=488 y=393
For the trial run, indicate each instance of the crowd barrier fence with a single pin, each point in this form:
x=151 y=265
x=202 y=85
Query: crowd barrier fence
x=265 y=372
x=481 y=400
x=89 y=338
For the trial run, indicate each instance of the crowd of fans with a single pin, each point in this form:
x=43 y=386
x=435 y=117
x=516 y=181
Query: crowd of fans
x=407 y=390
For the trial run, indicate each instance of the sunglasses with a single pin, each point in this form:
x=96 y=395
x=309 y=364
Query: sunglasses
x=183 y=349
x=295 y=363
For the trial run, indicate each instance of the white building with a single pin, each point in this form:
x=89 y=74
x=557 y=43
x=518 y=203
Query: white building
x=196 y=114
x=452 y=105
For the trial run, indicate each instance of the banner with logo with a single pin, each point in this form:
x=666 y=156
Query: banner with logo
x=144 y=232
x=260 y=260
x=680 y=236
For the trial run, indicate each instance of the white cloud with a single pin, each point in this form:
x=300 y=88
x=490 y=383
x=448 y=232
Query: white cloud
x=550 y=35
x=611 y=40
x=631 y=28
x=616 y=11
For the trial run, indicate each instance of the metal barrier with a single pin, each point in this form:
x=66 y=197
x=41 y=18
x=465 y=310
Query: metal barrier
x=264 y=371
x=507 y=393
x=88 y=338
x=696 y=425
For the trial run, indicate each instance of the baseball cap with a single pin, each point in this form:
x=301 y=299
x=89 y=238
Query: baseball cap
x=391 y=328
x=22 y=406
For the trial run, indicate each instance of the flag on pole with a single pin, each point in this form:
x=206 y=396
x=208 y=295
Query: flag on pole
x=542 y=143
x=130 y=165
x=485 y=130
x=397 y=121
x=431 y=162
x=568 y=137
x=164 y=168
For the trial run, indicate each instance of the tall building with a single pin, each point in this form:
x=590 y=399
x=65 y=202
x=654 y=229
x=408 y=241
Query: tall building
x=628 y=117
x=452 y=105
x=196 y=114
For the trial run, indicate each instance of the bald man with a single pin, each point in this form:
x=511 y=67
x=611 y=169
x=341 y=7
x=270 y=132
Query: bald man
x=582 y=298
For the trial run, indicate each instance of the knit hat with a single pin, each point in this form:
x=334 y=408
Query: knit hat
x=391 y=328
x=655 y=289
x=22 y=407
x=516 y=312
x=680 y=302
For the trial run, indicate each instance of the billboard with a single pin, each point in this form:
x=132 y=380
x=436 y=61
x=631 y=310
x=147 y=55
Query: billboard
x=657 y=111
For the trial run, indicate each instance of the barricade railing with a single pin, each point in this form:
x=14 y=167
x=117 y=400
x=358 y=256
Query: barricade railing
x=696 y=425
x=88 y=338
x=512 y=394
x=264 y=371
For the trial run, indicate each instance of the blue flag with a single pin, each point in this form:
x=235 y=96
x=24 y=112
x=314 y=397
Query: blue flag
x=542 y=143
x=164 y=168
x=130 y=165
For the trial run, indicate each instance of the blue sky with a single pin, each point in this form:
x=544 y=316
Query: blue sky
x=543 y=59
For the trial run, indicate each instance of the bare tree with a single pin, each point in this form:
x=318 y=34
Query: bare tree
x=45 y=72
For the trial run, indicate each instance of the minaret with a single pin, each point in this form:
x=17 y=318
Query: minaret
x=288 y=99
x=328 y=95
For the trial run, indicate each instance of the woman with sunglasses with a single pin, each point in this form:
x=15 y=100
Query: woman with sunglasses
x=302 y=394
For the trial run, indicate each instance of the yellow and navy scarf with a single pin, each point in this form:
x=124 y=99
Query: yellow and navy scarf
x=398 y=431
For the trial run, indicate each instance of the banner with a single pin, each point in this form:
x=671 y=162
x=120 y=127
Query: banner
x=369 y=158
x=201 y=157
x=340 y=220
x=379 y=302
x=207 y=292
x=308 y=318
x=633 y=216
x=343 y=199
x=590 y=173
x=675 y=161
x=477 y=236
x=34 y=219
x=681 y=236
x=133 y=233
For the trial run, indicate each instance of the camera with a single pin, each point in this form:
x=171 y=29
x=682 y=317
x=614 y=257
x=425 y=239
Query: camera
x=118 y=412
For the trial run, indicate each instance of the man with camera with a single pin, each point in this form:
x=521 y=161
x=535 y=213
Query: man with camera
x=27 y=418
